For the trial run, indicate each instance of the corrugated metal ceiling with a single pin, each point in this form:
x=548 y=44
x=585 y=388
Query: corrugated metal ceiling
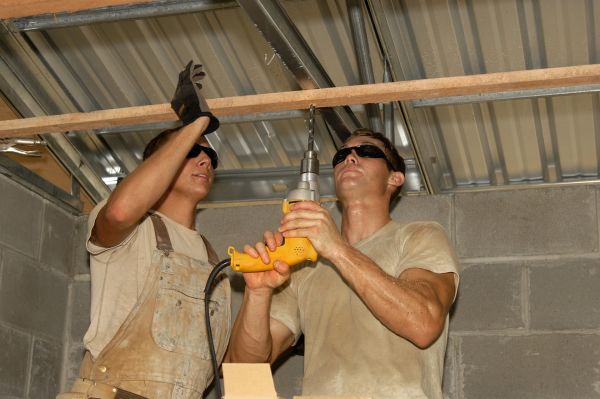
x=450 y=144
x=544 y=140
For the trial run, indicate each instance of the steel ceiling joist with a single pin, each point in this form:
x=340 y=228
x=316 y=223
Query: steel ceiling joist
x=263 y=184
x=114 y=13
x=285 y=39
x=395 y=68
x=388 y=108
x=31 y=89
x=224 y=120
x=505 y=96
x=365 y=67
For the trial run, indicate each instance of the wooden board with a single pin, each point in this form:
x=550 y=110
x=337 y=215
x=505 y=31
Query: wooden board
x=303 y=99
x=31 y=8
x=248 y=381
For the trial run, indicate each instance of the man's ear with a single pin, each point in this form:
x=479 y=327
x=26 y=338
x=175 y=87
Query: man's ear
x=396 y=179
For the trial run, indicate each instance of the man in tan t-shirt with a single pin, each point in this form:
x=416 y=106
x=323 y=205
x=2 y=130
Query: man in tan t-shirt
x=149 y=265
x=374 y=308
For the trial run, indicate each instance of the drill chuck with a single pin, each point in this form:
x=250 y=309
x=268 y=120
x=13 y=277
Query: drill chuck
x=310 y=163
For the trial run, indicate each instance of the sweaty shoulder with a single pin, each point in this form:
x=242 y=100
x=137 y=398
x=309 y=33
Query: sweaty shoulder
x=426 y=245
x=421 y=230
x=92 y=247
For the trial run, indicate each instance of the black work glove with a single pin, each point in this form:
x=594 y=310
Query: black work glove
x=188 y=103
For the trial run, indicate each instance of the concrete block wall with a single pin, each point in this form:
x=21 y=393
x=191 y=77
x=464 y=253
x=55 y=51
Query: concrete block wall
x=37 y=256
x=78 y=311
x=526 y=323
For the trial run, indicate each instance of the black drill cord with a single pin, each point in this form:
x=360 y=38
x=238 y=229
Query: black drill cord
x=211 y=344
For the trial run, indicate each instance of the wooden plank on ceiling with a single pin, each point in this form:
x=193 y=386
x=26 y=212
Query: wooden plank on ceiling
x=303 y=99
x=31 y=8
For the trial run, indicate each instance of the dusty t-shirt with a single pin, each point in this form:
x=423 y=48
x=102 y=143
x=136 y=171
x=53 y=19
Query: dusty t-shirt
x=119 y=273
x=347 y=350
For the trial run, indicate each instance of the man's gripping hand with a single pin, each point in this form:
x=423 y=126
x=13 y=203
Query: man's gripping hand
x=188 y=102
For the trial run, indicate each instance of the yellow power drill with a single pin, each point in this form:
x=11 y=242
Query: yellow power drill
x=296 y=249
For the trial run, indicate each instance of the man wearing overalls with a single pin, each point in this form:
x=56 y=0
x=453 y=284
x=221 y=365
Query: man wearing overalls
x=149 y=265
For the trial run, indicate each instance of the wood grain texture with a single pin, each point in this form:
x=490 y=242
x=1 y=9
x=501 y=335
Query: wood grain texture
x=31 y=8
x=303 y=99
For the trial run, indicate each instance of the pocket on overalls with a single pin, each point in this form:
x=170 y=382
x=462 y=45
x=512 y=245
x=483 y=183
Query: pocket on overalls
x=178 y=324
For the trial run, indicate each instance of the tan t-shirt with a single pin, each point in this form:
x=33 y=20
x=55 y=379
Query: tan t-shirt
x=119 y=273
x=347 y=350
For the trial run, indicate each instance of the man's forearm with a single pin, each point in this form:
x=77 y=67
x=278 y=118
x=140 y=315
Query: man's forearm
x=251 y=340
x=411 y=308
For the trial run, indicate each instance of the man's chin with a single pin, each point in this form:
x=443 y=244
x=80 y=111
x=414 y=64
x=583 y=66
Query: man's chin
x=350 y=178
x=347 y=187
x=202 y=191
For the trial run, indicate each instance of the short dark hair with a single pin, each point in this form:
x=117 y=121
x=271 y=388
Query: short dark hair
x=157 y=142
x=393 y=157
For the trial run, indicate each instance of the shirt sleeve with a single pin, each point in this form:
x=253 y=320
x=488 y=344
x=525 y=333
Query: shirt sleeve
x=93 y=248
x=427 y=246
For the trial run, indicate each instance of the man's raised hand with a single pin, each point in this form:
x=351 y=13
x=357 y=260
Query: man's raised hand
x=188 y=102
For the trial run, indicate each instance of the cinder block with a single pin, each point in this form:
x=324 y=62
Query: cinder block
x=288 y=377
x=450 y=369
x=73 y=363
x=532 y=367
x=20 y=218
x=1 y=263
x=45 y=369
x=14 y=358
x=57 y=239
x=237 y=226
x=81 y=258
x=527 y=222
x=489 y=298
x=31 y=298
x=435 y=208
x=565 y=295
x=80 y=309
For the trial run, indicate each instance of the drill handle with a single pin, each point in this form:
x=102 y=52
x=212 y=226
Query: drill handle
x=294 y=250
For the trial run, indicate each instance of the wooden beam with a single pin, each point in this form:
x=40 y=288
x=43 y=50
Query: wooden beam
x=303 y=99
x=87 y=120
x=31 y=8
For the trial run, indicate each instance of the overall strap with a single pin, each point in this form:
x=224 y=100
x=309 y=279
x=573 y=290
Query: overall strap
x=213 y=258
x=163 y=242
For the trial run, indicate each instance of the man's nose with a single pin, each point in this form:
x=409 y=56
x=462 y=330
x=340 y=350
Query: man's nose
x=203 y=160
x=352 y=157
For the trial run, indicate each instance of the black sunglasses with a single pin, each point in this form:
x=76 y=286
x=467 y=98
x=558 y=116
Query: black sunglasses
x=212 y=154
x=363 y=151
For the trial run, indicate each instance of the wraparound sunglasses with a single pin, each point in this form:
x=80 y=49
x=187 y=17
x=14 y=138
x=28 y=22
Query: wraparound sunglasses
x=212 y=154
x=363 y=151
